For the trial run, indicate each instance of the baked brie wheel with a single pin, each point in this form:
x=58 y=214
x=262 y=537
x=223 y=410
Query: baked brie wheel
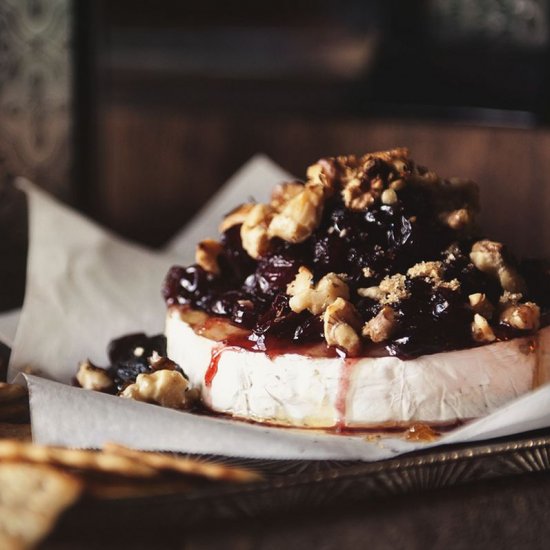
x=308 y=391
x=365 y=297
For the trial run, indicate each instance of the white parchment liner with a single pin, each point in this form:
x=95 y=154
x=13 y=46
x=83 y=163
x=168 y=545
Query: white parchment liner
x=85 y=286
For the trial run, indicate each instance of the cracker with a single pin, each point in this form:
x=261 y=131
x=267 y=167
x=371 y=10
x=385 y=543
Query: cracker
x=11 y=392
x=11 y=450
x=184 y=465
x=31 y=499
x=121 y=461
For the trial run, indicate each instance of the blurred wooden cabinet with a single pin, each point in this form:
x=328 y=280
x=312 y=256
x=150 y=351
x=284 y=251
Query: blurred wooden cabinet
x=161 y=164
x=138 y=112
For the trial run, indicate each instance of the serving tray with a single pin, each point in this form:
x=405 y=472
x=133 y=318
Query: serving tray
x=297 y=485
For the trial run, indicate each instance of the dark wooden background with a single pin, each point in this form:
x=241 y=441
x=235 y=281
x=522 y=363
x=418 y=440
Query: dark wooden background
x=157 y=166
x=136 y=112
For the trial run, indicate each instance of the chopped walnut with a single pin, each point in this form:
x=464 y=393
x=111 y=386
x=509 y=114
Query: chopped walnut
x=372 y=292
x=381 y=326
x=397 y=157
x=300 y=216
x=356 y=198
x=374 y=176
x=481 y=330
x=283 y=192
x=254 y=230
x=206 y=255
x=95 y=378
x=323 y=172
x=457 y=219
x=315 y=298
x=235 y=217
x=167 y=388
x=521 y=316
x=453 y=284
x=488 y=257
x=481 y=304
x=341 y=323
x=430 y=270
x=510 y=298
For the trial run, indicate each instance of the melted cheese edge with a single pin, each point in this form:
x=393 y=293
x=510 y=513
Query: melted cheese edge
x=300 y=391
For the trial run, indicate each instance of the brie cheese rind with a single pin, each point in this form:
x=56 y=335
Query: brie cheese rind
x=366 y=392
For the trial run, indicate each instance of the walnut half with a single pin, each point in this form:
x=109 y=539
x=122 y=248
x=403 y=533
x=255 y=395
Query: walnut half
x=341 y=323
x=375 y=176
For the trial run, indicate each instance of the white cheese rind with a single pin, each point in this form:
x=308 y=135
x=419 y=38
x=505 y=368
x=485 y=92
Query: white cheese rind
x=301 y=391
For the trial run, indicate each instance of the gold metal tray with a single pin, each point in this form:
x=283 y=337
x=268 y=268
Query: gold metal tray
x=299 y=485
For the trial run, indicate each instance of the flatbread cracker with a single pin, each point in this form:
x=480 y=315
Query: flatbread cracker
x=31 y=499
x=184 y=465
x=120 y=460
x=11 y=450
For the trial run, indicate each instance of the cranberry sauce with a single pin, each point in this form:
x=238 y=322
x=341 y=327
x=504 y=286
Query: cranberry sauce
x=366 y=246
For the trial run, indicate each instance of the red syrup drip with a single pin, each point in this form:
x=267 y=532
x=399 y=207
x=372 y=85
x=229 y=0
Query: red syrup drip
x=343 y=387
x=215 y=356
x=212 y=369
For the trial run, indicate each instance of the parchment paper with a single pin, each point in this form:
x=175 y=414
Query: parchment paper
x=85 y=286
